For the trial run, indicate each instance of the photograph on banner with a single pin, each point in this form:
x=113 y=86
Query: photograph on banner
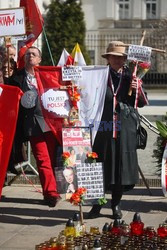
x=76 y=141
x=90 y=176
x=76 y=145
x=70 y=181
x=65 y=176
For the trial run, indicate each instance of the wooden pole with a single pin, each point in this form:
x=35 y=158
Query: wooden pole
x=7 y=40
x=135 y=69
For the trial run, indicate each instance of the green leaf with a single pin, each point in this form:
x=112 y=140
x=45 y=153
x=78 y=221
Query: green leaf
x=102 y=201
x=162 y=128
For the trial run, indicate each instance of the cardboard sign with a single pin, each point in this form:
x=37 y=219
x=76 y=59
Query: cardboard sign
x=76 y=141
x=56 y=101
x=78 y=172
x=72 y=73
x=12 y=22
x=90 y=176
x=139 y=53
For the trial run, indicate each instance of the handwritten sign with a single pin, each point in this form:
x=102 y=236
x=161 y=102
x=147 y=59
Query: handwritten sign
x=90 y=176
x=72 y=73
x=139 y=53
x=12 y=22
x=56 y=101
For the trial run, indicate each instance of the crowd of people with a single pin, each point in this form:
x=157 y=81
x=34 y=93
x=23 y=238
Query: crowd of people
x=116 y=148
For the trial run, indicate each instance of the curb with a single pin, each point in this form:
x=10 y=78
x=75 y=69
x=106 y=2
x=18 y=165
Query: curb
x=20 y=179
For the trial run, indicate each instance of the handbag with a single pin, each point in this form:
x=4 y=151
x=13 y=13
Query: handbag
x=141 y=133
x=141 y=137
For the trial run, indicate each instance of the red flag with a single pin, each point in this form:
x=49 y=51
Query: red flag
x=34 y=23
x=9 y=105
x=50 y=77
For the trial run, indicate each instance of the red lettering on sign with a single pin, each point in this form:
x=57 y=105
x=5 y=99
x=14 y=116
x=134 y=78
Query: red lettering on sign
x=7 y=20
x=55 y=105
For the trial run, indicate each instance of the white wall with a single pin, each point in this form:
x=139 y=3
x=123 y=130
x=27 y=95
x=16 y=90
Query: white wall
x=163 y=9
x=94 y=10
x=16 y=3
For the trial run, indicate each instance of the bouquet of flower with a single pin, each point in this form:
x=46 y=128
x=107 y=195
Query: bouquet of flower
x=142 y=69
x=91 y=157
x=77 y=199
x=139 y=69
x=65 y=157
x=74 y=95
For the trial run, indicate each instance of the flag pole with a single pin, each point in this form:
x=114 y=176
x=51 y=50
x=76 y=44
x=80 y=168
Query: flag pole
x=46 y=39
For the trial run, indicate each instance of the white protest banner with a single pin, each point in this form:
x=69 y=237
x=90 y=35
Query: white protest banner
x=139 y=53
x=71 y=73
x=12 y=22
x=93 y=89
x=56 y=101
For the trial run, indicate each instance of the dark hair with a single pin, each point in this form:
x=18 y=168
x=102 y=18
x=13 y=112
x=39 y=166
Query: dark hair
x=12 y=63
x=71 y=149
x=2 y=50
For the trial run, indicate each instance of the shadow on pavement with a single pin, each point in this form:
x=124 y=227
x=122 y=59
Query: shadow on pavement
x=145 y=191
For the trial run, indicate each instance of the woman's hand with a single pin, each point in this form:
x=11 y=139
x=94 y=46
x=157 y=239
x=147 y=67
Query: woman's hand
x=136 y=83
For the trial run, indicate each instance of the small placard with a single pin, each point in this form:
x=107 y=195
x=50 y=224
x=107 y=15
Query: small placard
x=139 y=53
x=12 y=22
x=72 y=73
x=56 y=101
x=76 y=141
x=90 y=176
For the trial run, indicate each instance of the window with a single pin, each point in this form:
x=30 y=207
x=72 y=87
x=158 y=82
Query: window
x=151 y=9
x=92 y=56
x=124 y=9
x=10 y=3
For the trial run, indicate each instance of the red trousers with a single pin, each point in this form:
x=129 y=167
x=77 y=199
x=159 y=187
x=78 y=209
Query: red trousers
x=43 y=148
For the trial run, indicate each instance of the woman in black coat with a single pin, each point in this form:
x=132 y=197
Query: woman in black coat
x=115 y=142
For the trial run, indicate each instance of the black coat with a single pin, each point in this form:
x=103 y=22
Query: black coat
x=119 y=155
x=30 y=121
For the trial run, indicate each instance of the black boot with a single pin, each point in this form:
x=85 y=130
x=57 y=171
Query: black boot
x=94 y=212
x=117 y=214
x=117 y=192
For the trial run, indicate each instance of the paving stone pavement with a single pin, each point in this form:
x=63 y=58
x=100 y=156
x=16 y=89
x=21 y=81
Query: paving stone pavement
x=26 y=222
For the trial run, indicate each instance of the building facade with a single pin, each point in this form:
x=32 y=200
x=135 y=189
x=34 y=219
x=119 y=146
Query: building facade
x=123 y=20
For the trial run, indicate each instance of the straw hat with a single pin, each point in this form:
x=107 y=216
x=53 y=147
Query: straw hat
x=114 y=49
